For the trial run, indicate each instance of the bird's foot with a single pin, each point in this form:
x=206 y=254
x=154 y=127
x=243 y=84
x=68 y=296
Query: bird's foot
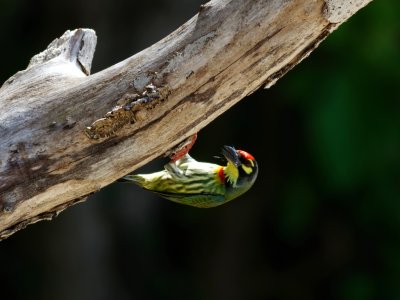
x=182 y=149
x=173 y=170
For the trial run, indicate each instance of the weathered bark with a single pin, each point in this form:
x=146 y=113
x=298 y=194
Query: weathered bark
x=139 y=108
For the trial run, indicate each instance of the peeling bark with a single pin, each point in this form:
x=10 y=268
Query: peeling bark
x=65 y=134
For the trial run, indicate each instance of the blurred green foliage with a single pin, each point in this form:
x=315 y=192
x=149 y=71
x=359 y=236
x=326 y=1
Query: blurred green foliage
x=322 y=221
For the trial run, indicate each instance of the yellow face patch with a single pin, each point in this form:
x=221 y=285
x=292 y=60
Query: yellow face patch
x=248 y=170
x=231 y=173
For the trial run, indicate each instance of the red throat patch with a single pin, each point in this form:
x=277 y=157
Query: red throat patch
x=221 y=174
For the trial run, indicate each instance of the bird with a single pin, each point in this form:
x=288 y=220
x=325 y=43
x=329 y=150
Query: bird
x=201 y=184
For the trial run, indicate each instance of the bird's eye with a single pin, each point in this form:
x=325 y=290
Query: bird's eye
x=247 y=162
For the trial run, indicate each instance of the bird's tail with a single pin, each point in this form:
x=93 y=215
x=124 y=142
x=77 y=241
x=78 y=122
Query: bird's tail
x=137 y=179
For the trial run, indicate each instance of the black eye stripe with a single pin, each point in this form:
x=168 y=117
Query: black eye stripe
x=246 y=162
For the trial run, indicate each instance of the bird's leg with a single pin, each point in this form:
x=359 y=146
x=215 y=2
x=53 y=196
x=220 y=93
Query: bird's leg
x=173 y=170
x=182 y=149
x=177 y=153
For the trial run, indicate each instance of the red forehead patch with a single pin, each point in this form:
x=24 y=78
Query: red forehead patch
x=245 y=154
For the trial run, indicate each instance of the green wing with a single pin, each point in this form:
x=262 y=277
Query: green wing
x=197 y=200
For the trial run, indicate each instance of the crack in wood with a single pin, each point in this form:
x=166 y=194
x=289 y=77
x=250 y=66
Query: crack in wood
x=131 y=108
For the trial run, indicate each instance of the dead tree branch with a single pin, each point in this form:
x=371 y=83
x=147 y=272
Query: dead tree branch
x=65 y=134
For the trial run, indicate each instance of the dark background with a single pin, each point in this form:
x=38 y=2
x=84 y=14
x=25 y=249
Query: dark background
x=321 y=222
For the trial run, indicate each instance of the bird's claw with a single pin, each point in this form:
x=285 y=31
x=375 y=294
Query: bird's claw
x=182 y=149
x=173 y=170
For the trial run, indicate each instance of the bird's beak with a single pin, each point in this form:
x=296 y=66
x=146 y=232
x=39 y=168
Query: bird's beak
x=231 y=155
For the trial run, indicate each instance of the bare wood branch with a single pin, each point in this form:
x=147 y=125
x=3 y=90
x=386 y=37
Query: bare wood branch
x=66 y=134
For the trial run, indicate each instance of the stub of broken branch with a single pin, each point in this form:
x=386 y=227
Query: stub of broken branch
x=65 y=134
x=75 y=46
x=74 y=50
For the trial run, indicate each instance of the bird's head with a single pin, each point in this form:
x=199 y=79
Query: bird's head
x=240 y=172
